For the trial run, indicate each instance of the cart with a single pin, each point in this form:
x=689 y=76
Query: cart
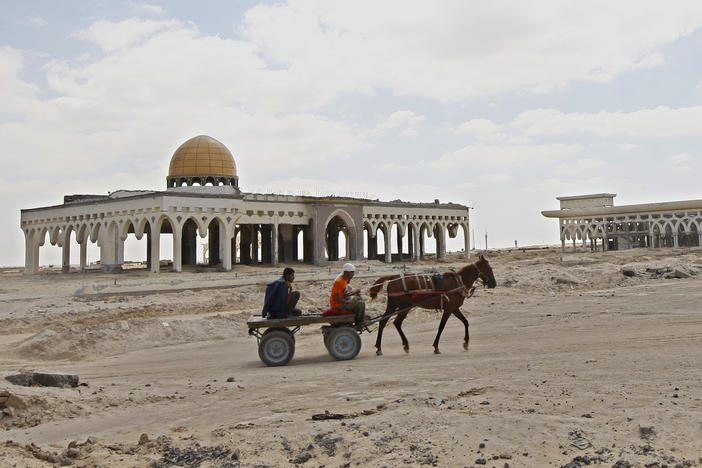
x=276 y=337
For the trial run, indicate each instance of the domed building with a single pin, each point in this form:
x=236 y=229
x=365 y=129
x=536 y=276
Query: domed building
x=202 y=198
x=202 y=160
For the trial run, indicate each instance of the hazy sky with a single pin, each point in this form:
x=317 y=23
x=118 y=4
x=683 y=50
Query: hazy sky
x=500 y=105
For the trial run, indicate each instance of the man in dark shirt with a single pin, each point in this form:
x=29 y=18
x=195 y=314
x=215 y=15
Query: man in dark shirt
x=283 y=299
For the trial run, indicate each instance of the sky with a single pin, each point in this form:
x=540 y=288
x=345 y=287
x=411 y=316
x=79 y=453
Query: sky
x=501 y=105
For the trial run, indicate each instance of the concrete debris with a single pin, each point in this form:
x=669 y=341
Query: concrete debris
x=678 y=274
x=563 y=279
x=42 y=379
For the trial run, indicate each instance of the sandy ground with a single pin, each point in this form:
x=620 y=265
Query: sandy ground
x=574 y=360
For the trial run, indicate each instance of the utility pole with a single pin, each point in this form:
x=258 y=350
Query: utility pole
x=473 y=237
x=485 y=240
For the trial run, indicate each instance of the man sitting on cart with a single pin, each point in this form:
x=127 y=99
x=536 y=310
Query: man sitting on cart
x=280 y=298
x=348 y=299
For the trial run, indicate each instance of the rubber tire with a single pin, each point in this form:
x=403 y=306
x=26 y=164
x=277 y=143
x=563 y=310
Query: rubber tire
x=326 y=335
x=343 y=343
x=277 y=347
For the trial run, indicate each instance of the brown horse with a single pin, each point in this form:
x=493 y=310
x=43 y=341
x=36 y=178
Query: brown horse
x=417 y=290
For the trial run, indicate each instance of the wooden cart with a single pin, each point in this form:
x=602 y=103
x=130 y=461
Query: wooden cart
x=276 y=337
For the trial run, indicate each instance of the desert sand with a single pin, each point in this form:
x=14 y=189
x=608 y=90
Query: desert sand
x=575 y=359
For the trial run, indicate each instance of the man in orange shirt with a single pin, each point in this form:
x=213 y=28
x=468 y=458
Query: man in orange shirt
x=341 y=299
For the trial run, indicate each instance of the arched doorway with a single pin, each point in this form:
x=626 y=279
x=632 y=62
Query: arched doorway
x=340 y=222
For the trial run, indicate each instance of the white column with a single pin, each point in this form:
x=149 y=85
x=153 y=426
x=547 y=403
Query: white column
x=442 y=242
x=155 y=249
x=177 y=248
x=466 y=241
x=388 y=252
x=119 y=251
x=274 y=242
x=676 y=242
x=415 y=243
x=66 y=253
x=225 y=243
x=108 y=248
x=84 y=253
x=31 y=254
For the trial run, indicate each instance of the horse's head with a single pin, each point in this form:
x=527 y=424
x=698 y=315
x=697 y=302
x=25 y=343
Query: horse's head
x=485 y=273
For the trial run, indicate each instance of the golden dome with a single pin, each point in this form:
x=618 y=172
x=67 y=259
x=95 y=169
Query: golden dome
x=202 y=156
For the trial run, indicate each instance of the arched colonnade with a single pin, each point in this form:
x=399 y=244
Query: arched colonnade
x=227 y=235
x=643 y=230
x=261 y=230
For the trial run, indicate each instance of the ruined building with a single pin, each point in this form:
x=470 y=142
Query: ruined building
x=203 y=197
x=594 y=221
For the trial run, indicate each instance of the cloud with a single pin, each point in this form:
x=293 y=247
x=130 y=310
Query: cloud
x=579 y=167
x=662 y=121
x=111 y=36
x=155 y=9
x=455 y=50
x=495 y=178
x=680 y=162
x=628 y=147
x=501 y=156
x=680 y=158
x=403 y=121
x=34 y=21
x=17 y=96
x=481 y=129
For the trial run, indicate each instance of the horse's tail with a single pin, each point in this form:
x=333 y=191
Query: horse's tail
x=378 y=285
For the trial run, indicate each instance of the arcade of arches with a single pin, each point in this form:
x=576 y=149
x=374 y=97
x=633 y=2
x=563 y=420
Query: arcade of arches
x=203 y=200
x=593 y=222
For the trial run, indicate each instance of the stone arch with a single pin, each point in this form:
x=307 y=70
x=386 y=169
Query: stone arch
x=124 y=228
x=140 y=225
x=396 y=235
x=383 y=227
x=344 y=215
x=424 y=227
x=337 y=220
x=54 y=235
x=370 y=241
x=201 y=222
x=693 y=235
x=686 y=223
x=217 y=235
x=81 y=232
x=95 y=229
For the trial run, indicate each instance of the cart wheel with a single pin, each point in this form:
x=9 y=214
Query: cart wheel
x=343 y=343
x=326 y=336
x=277 y=347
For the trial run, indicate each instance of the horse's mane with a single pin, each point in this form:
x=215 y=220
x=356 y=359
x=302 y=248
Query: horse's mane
x=464 y=268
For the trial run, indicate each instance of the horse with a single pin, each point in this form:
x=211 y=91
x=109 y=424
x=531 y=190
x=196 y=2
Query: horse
x=417 y=290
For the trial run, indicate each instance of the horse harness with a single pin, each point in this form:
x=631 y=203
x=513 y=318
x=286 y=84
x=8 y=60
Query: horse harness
x=431 y=285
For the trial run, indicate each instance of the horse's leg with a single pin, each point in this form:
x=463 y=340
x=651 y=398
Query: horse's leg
x=389 y=307
x=463 y=319
x=442 y=324
x=398 y=324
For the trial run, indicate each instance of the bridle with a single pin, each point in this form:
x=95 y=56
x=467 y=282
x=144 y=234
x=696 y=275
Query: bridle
x=483 y=277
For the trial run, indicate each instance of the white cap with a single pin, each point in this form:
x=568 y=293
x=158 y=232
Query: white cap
x=349 y=267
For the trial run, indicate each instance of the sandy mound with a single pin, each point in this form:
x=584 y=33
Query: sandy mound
x=76 y=342
x=31 y=410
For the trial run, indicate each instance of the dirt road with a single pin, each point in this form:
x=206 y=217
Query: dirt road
x=563 y=373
